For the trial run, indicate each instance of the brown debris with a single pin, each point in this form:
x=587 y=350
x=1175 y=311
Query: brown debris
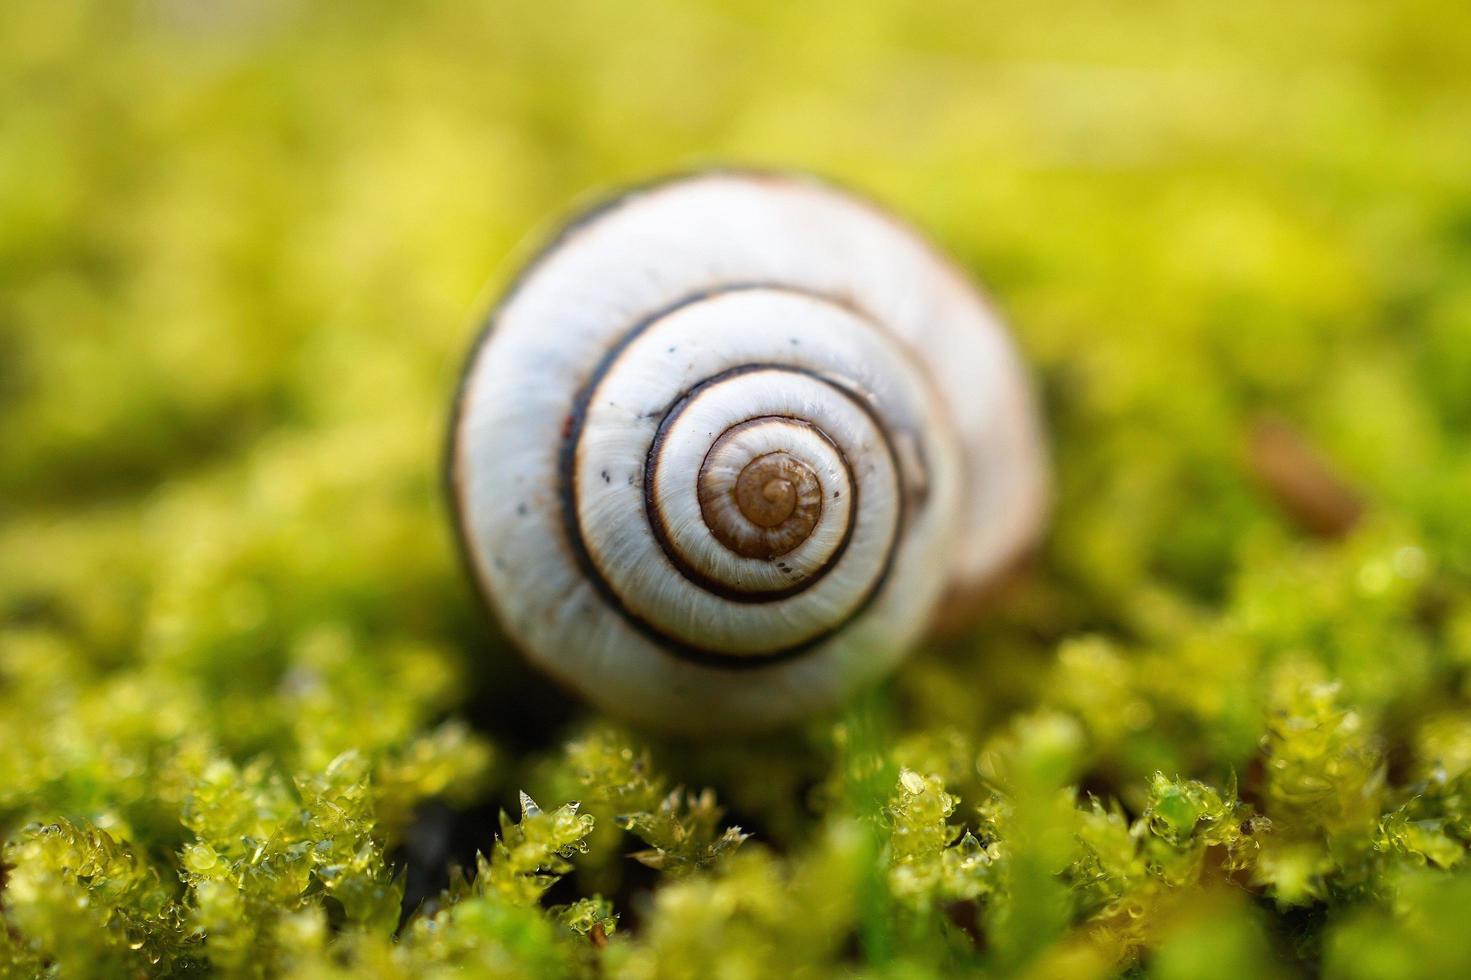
x=1300 y=480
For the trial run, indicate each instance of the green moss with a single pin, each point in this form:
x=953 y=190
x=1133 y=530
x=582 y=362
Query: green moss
x=252 y=721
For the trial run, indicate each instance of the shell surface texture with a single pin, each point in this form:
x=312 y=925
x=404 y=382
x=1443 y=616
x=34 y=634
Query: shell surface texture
x=729 y=444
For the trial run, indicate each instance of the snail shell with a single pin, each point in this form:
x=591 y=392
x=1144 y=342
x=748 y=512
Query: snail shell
x=728 y=443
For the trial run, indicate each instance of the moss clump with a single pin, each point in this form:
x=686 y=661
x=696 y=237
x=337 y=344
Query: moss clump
x=252 y=721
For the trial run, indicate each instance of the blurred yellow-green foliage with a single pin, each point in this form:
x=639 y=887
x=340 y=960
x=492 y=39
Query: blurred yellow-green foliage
x=250 y=714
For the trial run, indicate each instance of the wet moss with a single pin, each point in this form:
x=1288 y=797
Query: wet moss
x=253 y=722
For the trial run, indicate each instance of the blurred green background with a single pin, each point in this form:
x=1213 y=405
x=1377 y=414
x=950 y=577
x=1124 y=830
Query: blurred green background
x=244 y=247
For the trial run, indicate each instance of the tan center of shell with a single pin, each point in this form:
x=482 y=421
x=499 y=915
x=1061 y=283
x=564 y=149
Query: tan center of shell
x=766 y=492
x=777 y=502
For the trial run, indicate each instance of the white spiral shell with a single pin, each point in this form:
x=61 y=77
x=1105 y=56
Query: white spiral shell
x=727 y=443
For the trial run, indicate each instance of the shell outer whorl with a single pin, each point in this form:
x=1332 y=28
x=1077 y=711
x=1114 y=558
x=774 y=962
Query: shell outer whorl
x=568 y=473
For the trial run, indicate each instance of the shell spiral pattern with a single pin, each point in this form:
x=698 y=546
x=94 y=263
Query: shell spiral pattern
x=728 y=443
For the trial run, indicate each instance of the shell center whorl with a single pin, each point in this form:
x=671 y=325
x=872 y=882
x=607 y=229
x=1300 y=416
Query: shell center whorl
x=766 y=498
x=772 y=505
